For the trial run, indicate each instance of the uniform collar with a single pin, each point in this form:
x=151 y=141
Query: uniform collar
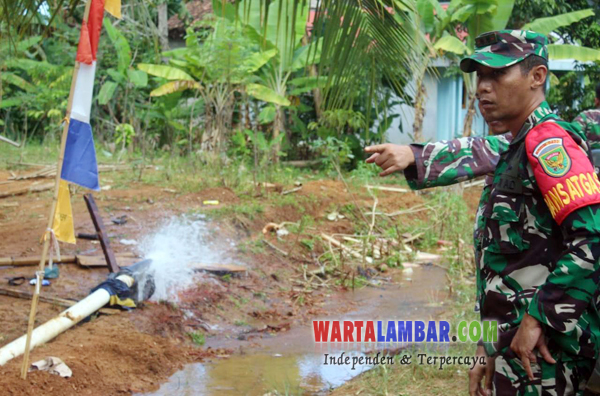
x=540 y=114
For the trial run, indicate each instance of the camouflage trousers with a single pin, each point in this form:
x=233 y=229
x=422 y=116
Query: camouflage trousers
x=562 y=378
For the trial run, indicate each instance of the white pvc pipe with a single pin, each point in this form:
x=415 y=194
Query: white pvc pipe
x=64 y=321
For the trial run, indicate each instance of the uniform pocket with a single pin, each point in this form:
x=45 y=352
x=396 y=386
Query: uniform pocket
x=504 y=225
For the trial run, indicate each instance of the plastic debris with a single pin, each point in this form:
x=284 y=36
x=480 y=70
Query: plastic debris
x=335 y=216
x=282 y=232
x=16 y=280
x=119 y=220
x=51 y=273
x=45 y=282
x=53 y=365
x=128 y=242
x=210 y=202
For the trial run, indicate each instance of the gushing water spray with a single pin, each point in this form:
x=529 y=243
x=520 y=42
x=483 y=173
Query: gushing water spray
x=173 y=248
x=164 y=272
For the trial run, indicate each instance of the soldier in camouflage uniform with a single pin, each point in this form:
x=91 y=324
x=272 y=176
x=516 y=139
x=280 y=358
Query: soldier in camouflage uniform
x=538 y=245
x=589 y=121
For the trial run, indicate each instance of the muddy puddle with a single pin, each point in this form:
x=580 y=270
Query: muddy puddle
x=291 y=363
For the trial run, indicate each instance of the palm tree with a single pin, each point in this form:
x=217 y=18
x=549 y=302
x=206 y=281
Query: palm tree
x=366 y=44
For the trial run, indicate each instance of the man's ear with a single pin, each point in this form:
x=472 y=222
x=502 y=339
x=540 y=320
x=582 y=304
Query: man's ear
x=538 y=76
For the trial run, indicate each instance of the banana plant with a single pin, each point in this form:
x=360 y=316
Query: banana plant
x=438 y=24
x=480 y=16
x=565 y=51
x=124 y=76
x=278 y=26
x=215 y=67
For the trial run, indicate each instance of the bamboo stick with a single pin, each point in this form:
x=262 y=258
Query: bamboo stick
x=25 y=190
x=337 y=243
x=50 y=171
x=36 y=295
x=387 y=188
x=7 y=140
x=27 y=296
x=50 y=300
x=24 y=261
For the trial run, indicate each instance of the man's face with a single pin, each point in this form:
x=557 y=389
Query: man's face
x=496 y=127
x=502 y=94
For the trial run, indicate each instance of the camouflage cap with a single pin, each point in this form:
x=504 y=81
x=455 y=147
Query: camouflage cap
x=505 y=48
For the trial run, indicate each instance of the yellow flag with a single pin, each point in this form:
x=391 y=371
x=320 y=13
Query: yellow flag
x=113 y=7
x=63 y=216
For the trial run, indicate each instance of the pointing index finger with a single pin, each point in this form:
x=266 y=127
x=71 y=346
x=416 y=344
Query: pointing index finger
x=378 y=148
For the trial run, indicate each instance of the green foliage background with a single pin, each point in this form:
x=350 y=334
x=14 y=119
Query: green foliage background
x=36 y=65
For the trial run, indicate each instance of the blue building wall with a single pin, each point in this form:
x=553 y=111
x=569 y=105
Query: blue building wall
x=452 y=111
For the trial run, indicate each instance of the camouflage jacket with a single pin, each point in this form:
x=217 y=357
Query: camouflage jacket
x=589 y=122
x=448 y=162
x=535 y=253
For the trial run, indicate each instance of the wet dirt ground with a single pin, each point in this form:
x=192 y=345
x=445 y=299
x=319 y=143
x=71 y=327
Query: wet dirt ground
x=247 y=320
x=291 y=361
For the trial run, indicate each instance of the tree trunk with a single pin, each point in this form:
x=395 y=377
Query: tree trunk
x=470 y=116
x=419 y=113
x=419 y=105
x=317 y=96
x=278 y=127
x=163 y=27
x=206 y=140
x=218 y=115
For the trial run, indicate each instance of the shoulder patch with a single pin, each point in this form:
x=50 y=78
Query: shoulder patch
x=552 y=156
x=562 y=170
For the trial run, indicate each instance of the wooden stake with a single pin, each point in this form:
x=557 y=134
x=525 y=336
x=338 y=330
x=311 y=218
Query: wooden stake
x=113 y=267
x=63 y=143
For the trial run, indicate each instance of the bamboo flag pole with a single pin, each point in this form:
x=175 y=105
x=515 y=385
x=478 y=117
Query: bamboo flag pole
x=47 y=238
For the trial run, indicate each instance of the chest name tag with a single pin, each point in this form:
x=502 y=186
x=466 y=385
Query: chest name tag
x=510 y=184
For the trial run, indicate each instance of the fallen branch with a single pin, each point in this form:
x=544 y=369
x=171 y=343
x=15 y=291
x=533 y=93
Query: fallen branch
x=337 y=243
x=413 y=238
x=23 y=261
x=386 y=188
x=269 y=244
x=45 y=172
x=7 y=140
x=50 y=171
x=293 y=190
x=30 y=189
x=28 y=296
x=414 y=209
x=47 y=299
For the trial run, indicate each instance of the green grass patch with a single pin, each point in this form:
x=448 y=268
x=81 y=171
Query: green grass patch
x=197 y=338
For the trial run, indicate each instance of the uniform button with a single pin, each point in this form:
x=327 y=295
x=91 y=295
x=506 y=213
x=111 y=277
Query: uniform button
x=426 y=163
x=428 y=183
